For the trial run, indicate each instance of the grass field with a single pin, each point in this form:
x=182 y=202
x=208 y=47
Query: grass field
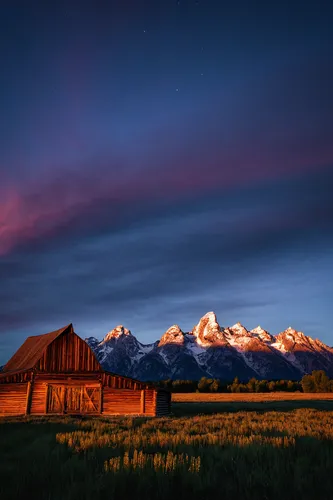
x=259 y=397
x=208 y=403
x=230 y=455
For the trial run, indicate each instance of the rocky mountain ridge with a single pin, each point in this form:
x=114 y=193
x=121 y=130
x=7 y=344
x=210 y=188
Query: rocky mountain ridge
x=213 y=351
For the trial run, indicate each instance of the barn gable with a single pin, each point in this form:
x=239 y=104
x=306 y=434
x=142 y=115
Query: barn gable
x=32 y=350
x=68 y=353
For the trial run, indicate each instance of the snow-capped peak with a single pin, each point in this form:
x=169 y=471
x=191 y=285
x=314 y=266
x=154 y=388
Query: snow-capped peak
x=238 y=329
x=262 y=334
x=291 y=339
x=116 y=333
x=208 y=331
x=293 y=334
x=211 y=316
x=258 y=330
x=173 y=335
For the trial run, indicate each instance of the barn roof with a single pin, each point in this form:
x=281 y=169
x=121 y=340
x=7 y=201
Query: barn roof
x=32 y=350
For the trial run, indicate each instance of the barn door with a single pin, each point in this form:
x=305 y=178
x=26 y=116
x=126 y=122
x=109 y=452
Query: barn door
x=55 y=399
x=73 y=399
x=90 y=402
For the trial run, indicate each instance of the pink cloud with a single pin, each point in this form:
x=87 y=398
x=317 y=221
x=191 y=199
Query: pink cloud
x=44 y=208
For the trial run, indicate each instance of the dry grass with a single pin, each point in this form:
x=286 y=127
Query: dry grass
x=231 y=455
x=199 y=397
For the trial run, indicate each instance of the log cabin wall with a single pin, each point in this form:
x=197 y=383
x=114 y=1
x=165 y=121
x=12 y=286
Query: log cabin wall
x=121 y=402
x=38 y=399
x=150 y=402
x=15 y=377
x=129 y=402
x=44 y=380
x=114 y=401
x=64 y=378
x=118 y=382
x=13 y=399
x=68 y=353
x=19 y=399
x=163 y=403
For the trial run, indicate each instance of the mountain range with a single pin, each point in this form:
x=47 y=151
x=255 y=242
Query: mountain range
x=213 y=351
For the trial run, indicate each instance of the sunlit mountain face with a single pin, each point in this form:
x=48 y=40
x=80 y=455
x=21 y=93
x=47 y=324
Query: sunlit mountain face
x=159 y=159
x=214 y=351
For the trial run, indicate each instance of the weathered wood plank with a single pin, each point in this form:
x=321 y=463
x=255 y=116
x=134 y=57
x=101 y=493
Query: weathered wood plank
x=101 y=398
x=68 y=353
x=28 y=398
x=13 y=399
x=47 y=398
x=142 y=402
x=38 y=403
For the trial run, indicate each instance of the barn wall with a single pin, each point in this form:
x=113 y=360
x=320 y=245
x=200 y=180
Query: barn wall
x=38 y=399
x=39 y=387
x=128 y=402
x=163 y=403
x=68 y=378
x=150 y=401
x=119 y=382
x=13 y=399
x=68 y=353
x=114 y=401
x=20 y=377
x=121 y=402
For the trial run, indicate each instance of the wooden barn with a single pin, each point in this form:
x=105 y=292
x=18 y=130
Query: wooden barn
x=58 y=373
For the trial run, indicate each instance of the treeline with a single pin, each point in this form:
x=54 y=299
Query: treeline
x=318 y=381
x=215 y=385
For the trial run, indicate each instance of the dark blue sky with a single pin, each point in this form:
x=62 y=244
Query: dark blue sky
x=161 y=159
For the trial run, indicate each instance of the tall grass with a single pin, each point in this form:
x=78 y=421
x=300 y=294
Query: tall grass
x=248 y=455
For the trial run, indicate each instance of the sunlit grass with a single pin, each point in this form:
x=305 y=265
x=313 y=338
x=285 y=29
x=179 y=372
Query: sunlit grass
x=242 y=454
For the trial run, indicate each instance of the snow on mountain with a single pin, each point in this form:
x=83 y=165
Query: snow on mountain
x=116 y=333
x=239 y=329
x=209 y=350
x=119 y=351
x=303 y=352
x=262 y=334
x=208 y=331
x=257 y=354
x=173 y=335
x=237 y=336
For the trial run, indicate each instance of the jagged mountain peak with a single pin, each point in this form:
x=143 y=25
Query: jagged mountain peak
x=292 y=334
x=262 y=334
x=238 y=328
x=258 y=329
x=211 y=316
x=291 y=330
x=116 y=333
x=208 y=330
x=173 y=335
x=290 y=340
